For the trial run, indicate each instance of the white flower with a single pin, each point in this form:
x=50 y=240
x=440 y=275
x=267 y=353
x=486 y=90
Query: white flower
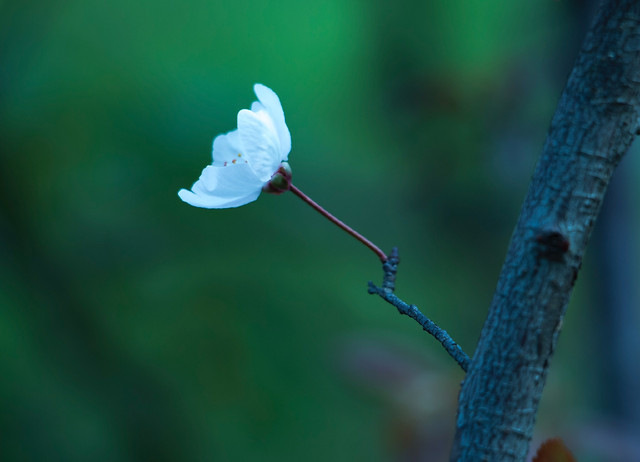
x=244 y=160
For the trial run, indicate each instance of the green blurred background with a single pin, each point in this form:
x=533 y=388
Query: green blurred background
x=135 y=327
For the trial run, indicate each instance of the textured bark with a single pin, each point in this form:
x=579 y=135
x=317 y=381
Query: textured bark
x=594 y=125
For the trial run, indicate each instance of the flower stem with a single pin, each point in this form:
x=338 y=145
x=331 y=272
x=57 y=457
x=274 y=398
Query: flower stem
x=381 y=255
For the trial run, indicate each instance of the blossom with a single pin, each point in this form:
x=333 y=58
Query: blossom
x=246 y=159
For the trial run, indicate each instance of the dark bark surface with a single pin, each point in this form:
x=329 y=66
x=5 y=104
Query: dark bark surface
x=594 y=125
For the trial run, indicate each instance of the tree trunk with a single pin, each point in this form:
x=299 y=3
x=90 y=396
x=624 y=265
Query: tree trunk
x=594 y=125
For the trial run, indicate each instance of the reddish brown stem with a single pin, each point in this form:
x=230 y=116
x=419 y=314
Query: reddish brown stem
x=381 y=255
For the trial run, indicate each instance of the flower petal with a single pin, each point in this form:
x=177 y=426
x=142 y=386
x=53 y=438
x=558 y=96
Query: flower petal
x=272 y=104
x=226 y=148
x=257 y=106
x=223 y=187
x=260 y=142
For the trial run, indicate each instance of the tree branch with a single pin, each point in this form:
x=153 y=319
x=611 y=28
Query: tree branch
x=594 y=125
x=390 y=267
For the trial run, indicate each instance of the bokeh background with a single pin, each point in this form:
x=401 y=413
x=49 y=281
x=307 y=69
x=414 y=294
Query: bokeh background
x=135 y=327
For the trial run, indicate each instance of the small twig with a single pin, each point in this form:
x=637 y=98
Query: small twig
x=390 y=267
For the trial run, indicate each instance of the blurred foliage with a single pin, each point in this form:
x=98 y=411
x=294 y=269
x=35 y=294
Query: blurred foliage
x=135 y=327
x=553 y=450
